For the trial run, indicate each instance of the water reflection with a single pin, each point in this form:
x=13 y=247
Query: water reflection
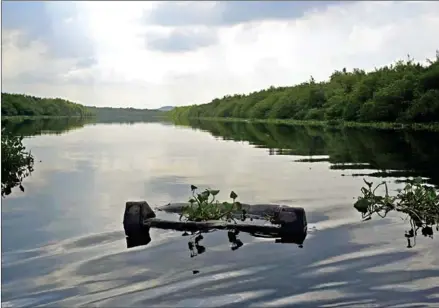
x=62 y=243
x=35 y=127
x=387 y=153
x=195 y=238
x=141 y=240
x=58 y=126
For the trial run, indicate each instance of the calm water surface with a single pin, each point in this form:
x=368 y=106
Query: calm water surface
x=63 y=242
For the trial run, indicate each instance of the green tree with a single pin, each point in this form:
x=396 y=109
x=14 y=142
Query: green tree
x=401 y=92
x=27 y=105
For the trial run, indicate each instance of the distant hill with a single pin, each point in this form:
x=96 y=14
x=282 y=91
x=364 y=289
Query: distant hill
x=166 y=108
x=110 y=113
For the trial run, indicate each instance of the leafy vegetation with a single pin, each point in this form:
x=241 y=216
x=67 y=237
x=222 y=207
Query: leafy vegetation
x=204 y=206
x=404 y=92
x=17 y=163
x=420 y=203
x=31 y=106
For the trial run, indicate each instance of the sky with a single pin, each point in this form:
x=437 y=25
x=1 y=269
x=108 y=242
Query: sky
x=152 y=54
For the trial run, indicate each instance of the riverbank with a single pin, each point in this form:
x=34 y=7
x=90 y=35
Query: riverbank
x=337 y=124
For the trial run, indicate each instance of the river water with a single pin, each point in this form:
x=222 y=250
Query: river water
x=63 y=242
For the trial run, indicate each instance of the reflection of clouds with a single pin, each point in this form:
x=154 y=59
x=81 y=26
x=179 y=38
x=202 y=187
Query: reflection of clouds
x=155 y=151
x=51 y=154
x=332 y=270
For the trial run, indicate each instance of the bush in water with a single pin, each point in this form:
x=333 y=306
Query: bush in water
x=17 y=163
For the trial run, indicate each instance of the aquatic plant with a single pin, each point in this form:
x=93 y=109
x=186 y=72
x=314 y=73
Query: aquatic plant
x=418 y=201
x=17 y=163
x=204 y=206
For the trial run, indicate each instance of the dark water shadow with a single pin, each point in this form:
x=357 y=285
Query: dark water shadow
x=47 y=126
x=379 y=153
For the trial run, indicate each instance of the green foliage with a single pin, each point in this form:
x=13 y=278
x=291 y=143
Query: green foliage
x=418 y=201
x=31 y=106
x=17 y=163
x=204 y=206
x=406 y=92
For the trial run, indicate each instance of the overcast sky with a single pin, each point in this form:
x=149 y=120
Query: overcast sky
x=151 y=54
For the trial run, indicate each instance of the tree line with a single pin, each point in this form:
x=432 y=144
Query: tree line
x=28 y=105
x=109 y=114
x=32 y=106
x=404 y=92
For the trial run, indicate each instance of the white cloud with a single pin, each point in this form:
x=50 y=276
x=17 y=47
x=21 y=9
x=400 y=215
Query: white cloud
x=20 y=60
x=244 y=56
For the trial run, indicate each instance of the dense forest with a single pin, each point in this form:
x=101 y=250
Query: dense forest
x=27 y=105
x=404 y=92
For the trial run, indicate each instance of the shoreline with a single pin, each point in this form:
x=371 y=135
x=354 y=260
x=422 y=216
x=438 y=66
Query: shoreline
x=432 y=127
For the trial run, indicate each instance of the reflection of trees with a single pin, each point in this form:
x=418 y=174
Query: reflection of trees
x=17 y=162
x=33 y=127
x=389 y=153
x=40 y=126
